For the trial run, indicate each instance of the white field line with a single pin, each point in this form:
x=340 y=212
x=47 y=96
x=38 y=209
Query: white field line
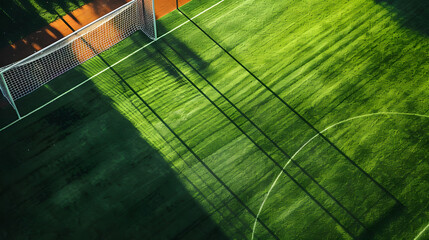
x=102 y=71
x=420 y=233
x=311 y=139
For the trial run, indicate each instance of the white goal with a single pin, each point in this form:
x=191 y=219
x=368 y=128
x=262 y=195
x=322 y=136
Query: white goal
x=23 y=77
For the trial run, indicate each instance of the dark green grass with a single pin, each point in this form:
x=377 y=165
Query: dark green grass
x=83 y=171
x=328 y=60
x=410 y=13
x=21 y=17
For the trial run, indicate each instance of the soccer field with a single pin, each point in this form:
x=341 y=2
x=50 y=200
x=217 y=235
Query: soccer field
x=314 y=126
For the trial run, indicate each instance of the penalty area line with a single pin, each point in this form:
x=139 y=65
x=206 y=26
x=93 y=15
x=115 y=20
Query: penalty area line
x=104 y=70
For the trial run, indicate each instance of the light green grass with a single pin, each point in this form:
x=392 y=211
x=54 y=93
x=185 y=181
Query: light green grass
x=330 y=60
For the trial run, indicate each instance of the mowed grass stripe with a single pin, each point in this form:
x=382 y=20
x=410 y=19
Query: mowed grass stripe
x=55 y=188
x=206 y=114
x=283 y=156
x=358 y=35
x=278 y=149
x=125 y=104
x=319 y=189
x=235 y=83
x=361 y=7
x=163 y=103
x=137 y=120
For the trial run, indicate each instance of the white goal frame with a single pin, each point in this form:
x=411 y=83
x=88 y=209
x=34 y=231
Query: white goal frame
x=27 y=75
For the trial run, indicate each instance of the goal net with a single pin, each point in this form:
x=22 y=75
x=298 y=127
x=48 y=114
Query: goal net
x=23 y=77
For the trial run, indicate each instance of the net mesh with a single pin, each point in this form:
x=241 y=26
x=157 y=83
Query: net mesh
x=27 y=75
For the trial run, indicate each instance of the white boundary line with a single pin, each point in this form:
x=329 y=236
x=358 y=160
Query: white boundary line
x=102 y=71
x=420 y=233
x=311 y=139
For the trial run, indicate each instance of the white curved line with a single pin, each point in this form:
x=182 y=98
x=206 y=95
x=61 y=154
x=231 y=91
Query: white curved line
x=311 y=139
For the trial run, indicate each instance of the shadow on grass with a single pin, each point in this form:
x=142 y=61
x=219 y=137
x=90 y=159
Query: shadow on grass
x=255 y=142
x=178 y=50
x=205 y=166
x=184 y=49
x=61 y=123
x=7 y=113
x=384 y=221
x=79 y=169
x=413 y=14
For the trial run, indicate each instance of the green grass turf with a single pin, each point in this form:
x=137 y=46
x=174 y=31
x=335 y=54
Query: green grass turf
x=91 y=155
x=21 y=17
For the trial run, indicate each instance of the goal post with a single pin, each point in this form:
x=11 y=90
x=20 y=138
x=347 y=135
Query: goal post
x=27 y=75
x=6 y=93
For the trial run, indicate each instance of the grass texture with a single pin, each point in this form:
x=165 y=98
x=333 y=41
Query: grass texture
x=180 y=141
